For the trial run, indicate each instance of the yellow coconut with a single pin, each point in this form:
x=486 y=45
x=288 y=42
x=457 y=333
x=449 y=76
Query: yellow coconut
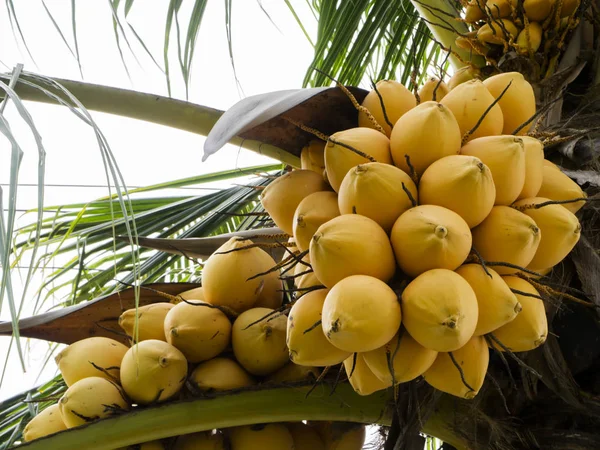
x=282 y=196
x=530 y=38
x=198 y=329
x=90 y=399
x=568 y=7
x=259 y=341
x=306 y=341
x=271 y=295
x=530 y=328
x=428 y=237
x=339 y=159
x=537 y=10
x=226 y=274
x=205 y=440
x=47 y=422
x=192 y=294
x=497 y=32
x=534 y=167
x=475 y=11
x=91 y=357
x=361 y=378
x=273 y=436
x=505 y=156
x=517 y=103
x=496 y=303
x=219 y=374
x=304 y=276
x=341 y=435
x=376 y=191
x=468 y=102
x=462 y=184
x=312 y=212
x=558 y=186
x=151 y=320
x=507 y=236
x=408 y=359
x=305 y=437
x=463 y=75
x=473 y=359
x=433 y=90
x=424 y=135
x=351 y=244
x=292 y=373
x=500 y=8
x=440 y=310
x=396 y=99
x=360 y=313
x=560 y=229
x=312 y=156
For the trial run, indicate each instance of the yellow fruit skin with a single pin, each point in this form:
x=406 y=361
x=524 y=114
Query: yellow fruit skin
x=312 y=212
x=468 y=102
x=151 y=320
x=260 y=348
x=537 y=10
x=473 y=358
x=426 y=133
x=496 y=303
x=508 y=236
x=305 y=437
x=374 y=190
x=409 y=359
x=428 y=237
x=557 y=186
x=431 y=85
x=153 y=372
x=310 y=348
x=474 y=12
x=47 y=422
x=462 y=184
x=312 y=156
x=75 y=361
x=517 y=103
x=225 y=277
x=351 y=244
x=463 y=75
x=292 y=373
x=569 y=7
x=339 y=159
x=200 y=441
x=560 y=229
x=534 y=167
x=493 y=33
x=362 y=379
x=360 y=313
x=199 y=332
x=192 y=294
x=532 y=42
x=530 y=328
x=219 y=374
x=505 y=157
x=86 y=401
x=273 y=436
x=271 y=295
x=500 y=8
x=341 y=435
x=282 y=196
x=396 y=99
x=440 y=310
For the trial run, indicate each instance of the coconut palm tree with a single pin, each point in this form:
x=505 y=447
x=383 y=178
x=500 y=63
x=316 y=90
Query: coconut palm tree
x=547 y=398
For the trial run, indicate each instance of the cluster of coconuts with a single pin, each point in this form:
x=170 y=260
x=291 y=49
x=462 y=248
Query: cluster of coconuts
x=421 y=233
x=527 y=27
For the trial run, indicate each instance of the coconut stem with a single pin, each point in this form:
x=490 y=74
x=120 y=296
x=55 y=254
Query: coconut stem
x=553 y=202
x=355 y=150
x=230 y=313
x=552 y=292
x=460 y=371
x=411 y=169
x=481 y=262
x=410 y=196
x=279 y=265
x=503 y=359
x=313 y=326
x=499 y=389
x=513 y=356
x=106 y=371
x=513 y=266
x=382 y=104
x=442 y=76
x=310 y=130
x=318 y=380
x=539 y=297
x=354 y=358
x=485 y=113
x=281 y=309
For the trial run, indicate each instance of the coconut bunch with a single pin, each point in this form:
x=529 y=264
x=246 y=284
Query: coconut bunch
x=425 y=244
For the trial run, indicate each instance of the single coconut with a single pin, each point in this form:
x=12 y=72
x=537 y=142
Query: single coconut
x=558 y=186
x=360 y=313
x=205 y=440
x=530 y=38
x=198 y=329
x=568 y=7
x=153 y=371
x=150 y=321
x=351 y=244
x=500 y=8
x=361 y=378
x=534 y=167
x=463 y=75
x=271 y=295
x=341 y=156
x=424 y=135
x=496 y=303
x=463 y=381
x=401 y=360
x=468 y=102
x=305 y=437
x=377 y=191
x=273 y=436
x=505 y=157
x=391 y=96
x=440 y=310
x=259 y=341
x=312 y=212
x=47 y=422
x=282 y=196
x=90 y=399
x=292 y=373
x=433 y=90
x=312 y=156
x=219 y=374
x=429 y=237
x=560 y=229
x=529 y=329
x=497 y=32
x=306 y=341
x=475 y=11
x=462 y=184
x=538 y=10
x=91 y=357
